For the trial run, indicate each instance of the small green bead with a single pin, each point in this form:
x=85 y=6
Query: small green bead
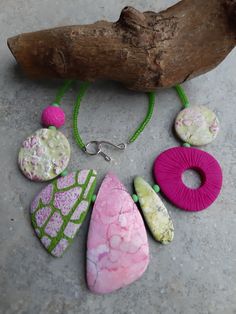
x=52 y=127
x=135 y=198
x=64 y=173
x=94 y=198
x=186 y=145
x=156 y=188
x=55 y=104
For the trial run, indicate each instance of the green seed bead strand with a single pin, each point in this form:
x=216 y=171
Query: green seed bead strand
x=183 y=97
x=62 y=92
x=140 y=129
x=83 y=88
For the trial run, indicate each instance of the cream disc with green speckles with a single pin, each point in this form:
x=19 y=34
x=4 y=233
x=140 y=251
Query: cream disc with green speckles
x=44 y=155
x=197 y=125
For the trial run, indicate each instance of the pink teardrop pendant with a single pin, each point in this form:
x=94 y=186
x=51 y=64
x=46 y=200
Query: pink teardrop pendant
x=117 y=247
x=169 y=167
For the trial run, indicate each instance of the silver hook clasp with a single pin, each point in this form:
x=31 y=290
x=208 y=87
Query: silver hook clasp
x=95 y=148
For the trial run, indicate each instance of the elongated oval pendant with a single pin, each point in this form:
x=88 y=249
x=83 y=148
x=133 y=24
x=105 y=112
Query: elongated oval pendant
x=44 y=155
x=154 y=211
x=58 y=210
x=117 y=247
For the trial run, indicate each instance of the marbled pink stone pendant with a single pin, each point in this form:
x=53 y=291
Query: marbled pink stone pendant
x=117 y=248
x=58 y=210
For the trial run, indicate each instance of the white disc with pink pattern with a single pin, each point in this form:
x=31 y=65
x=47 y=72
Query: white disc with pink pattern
x=44 y=155
x=197 y=125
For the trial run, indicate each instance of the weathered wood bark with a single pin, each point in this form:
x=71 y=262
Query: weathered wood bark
x=142 y=50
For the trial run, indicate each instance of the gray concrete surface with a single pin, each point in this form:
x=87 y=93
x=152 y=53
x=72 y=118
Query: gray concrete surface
x=196 y=274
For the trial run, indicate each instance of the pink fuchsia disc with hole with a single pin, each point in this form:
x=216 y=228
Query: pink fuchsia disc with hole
x=169 y=168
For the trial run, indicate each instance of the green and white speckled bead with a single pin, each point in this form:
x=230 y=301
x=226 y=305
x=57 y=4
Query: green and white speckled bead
x=197 y=125
x=44 y=155
x=154 y=211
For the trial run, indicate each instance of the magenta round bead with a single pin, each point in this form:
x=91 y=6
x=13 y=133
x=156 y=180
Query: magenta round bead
x=53 y=116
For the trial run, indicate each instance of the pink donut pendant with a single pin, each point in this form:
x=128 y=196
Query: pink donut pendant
x=169 y=167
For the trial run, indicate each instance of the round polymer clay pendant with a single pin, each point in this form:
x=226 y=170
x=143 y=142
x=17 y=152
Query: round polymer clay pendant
x=169 y=168
x=197 y=125
x=44 y=155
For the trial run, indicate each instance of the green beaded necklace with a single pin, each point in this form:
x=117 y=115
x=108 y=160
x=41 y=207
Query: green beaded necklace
x=95 y=147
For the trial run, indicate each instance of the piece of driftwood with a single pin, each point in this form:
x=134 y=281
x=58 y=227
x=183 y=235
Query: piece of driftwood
x=144 y=51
